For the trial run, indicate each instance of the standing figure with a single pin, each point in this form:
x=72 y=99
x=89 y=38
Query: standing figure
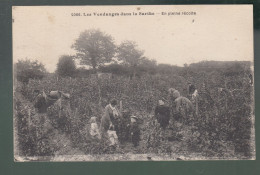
x=94 y=131
x=162 y=114
x=134 y=131
x=110 y=114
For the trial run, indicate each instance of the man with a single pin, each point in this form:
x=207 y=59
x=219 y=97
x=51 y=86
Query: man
x=162 y=114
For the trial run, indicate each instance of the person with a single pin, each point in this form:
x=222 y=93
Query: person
x=42 y=101
x=94 y=131
x=181 y=107
x=191 y=88
x=134 y=131
x=112 y=136
x=111 y=113
x=162 y=114
x=184 y=108
x=173 y=94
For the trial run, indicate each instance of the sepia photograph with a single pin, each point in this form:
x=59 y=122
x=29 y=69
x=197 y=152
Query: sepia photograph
x=133 y=83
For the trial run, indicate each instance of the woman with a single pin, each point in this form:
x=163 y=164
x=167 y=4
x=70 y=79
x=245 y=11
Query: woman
x=110 y=115
x=162 y=114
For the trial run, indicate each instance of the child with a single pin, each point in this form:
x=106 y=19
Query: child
x=112 y=136
x=134 y=131
x=94 y=131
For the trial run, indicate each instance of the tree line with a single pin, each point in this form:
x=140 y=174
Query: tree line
x=95 y=49
x=98 y=52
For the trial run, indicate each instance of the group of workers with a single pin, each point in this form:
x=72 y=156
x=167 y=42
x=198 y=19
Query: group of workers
x=116 y=126
x=122 y=126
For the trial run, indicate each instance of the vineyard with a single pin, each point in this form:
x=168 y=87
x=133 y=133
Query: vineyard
x=223 y=128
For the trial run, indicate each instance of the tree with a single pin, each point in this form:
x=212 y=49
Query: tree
x=94 y=48
x=147 y=65
x=27 y=69
x=66 y=66
x=130 y=54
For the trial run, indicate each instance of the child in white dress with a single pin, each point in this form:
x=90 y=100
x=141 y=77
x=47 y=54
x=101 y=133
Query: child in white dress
x=94 y=131
x=112 y=136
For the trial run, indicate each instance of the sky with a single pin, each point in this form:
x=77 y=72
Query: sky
x=221 y=33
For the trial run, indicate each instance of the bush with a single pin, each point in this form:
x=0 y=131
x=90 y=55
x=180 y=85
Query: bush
x=26 y=70
x=66 y=66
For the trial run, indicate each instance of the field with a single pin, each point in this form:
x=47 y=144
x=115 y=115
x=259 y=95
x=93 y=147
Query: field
x=223 y=129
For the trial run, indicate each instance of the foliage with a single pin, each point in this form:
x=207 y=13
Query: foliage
x=217 y=131
x=128 y=52
x=27 y=69
x=66 y=66
x=94 y=48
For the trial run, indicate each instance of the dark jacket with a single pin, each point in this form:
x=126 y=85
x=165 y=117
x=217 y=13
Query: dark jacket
x=162 y=114
x=40 y=104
